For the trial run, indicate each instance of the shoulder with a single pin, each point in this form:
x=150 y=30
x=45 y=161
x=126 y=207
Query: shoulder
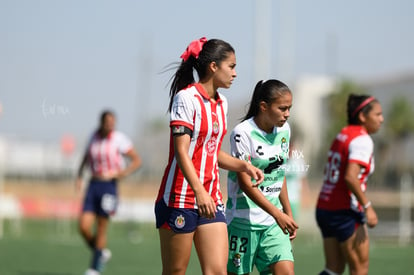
x=362 y=141
x=285 y=127
x=185 y=98
x=93 y=137
x=120 y=136
x=187 y=92
x=241 y=132
x=222 y=97
x=243 y=127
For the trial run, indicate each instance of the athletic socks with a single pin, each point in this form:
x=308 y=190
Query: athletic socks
x=100 y=258
x=91 y=243
x=96 y=260
x=328 y=272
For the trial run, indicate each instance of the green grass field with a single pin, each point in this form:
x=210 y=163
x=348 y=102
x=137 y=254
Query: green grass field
x=54 y=248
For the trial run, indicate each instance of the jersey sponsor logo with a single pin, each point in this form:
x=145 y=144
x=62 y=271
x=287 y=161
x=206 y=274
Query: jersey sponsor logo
x=211 y=146
x=259 y=150
x=237 y=138
x=270 y=189
x=179 y=222
x=275 y=163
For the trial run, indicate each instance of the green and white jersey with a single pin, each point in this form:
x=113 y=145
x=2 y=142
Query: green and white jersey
x=269 y=152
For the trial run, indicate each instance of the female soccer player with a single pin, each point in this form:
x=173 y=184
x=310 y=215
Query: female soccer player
x=104 y=154
x=343 y=210
x=260 y=222
x=189 y=205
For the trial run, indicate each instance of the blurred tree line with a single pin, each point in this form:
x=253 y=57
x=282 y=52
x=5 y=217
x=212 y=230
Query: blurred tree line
x=391 y=143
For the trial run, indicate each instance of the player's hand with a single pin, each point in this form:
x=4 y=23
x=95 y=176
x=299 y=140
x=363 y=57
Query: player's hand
x=206 y=205
x=255 y=173
x=287 y=224
x=372 y=219
x=292 y=236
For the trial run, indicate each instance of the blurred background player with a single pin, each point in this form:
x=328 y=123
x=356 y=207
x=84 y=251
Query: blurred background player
x=343 y=210
x=189 y=206
x=260 y=222
x=104 y=154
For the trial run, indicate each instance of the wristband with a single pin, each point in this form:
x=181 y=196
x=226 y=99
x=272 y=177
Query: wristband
x=368 y=204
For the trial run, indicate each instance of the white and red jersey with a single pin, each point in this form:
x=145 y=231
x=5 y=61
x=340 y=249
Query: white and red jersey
x=352 y=144
x=207 y=119
x=105 y=153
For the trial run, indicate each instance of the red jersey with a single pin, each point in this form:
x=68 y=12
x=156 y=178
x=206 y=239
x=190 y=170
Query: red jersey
x=352 y=144
x=105 y=154
x=207 y=119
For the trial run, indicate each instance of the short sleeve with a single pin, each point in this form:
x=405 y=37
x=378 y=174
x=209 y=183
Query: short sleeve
x=182 y=111
x=240 y=144
x=124 y=143
x=361 y=149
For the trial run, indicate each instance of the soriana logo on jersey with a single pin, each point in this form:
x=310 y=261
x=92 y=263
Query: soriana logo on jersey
x=211 y=146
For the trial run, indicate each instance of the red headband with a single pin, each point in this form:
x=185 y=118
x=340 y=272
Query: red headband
x=363 y=104
x=194 y=48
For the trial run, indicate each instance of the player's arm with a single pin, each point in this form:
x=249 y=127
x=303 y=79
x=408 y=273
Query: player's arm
x=351 y=178
x=79 y=180
x=226 y=161
x=283 y=220
x=284 y=200
x=205 y=203
x=134 y=164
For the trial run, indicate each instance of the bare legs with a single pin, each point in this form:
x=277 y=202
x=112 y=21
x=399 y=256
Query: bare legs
x=354 y=251
x=97 y=239
x=210 y=241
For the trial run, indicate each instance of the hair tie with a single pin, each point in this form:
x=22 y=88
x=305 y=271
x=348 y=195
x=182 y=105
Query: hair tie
x=363 y=104
x=194 y=48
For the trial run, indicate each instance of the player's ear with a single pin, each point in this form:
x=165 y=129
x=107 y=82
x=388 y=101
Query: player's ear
x=213 y=66
x=263 y=106
x=361 y=117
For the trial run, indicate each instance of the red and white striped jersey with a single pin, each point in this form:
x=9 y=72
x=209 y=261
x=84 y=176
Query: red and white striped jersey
x=105 y=154
x=207 y=119
x=352 y=144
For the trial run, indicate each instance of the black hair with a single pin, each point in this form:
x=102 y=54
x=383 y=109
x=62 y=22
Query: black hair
x=102 y=118
x=265 y=91
x=354 y=107
x=214 y=50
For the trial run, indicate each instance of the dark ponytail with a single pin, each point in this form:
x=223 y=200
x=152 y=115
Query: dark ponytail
x=267 y=92
x=214 y=50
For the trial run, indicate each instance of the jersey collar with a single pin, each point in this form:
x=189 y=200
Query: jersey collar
x=204 y=93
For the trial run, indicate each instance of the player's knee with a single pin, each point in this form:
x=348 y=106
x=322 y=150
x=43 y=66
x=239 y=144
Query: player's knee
x=83 y=228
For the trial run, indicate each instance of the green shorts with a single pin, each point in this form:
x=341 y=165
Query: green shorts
x=257 y=247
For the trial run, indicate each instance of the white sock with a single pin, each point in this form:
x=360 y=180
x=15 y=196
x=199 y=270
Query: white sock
x=330 y=272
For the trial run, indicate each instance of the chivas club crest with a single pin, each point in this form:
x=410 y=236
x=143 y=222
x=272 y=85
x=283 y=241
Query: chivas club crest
x=179 y=221
x=215 y=127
